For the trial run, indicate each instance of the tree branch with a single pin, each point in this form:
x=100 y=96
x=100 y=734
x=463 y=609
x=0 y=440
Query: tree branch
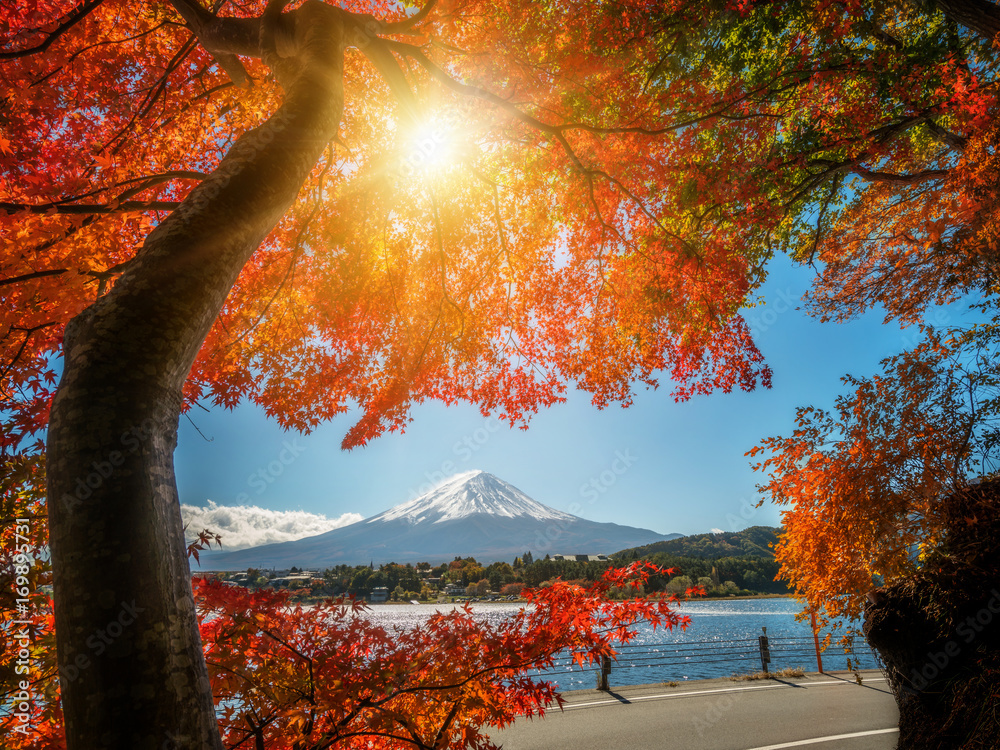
x=33 y=275
x=153 y=94
x=202 y=23
x=379 y=52
x=77 y=15
x=900 y=179
x=28 y=332
x=401 y=27
x=952 y=140
x=443 y=730
x=980 y=16
x=146 y=182
x=90 y=208
x=558 y=131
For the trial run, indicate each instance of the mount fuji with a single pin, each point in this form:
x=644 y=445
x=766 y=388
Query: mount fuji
x=472 y=514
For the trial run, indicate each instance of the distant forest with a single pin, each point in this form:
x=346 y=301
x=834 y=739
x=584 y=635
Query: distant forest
x=745 y=559
x=725 y=564
x=756 y=541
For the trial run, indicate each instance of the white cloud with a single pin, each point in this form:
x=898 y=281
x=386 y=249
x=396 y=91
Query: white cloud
x=243 y=526
x=718 y=531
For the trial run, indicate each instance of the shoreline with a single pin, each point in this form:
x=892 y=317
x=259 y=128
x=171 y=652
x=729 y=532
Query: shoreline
x=461 y=600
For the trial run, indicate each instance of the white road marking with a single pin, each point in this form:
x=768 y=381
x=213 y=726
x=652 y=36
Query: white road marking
x=830 y=738
x=571 y=706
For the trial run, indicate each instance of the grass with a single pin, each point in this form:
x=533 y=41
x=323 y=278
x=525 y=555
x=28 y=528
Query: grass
x=786 y=672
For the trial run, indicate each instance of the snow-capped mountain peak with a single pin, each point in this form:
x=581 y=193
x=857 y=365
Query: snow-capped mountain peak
x=467 y=494
x=474 y=513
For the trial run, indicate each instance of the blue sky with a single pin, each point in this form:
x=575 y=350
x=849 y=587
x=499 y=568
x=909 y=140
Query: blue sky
x=660 y=465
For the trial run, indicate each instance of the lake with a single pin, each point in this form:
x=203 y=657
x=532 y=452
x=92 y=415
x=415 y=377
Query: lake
x=720 y=641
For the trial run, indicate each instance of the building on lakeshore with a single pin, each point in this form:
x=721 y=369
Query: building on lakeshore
x=379 y=594
x=303 y=579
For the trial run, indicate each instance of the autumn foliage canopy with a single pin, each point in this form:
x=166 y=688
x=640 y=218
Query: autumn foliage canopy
x=540 y=207
x=521 y=197
x=484 y=239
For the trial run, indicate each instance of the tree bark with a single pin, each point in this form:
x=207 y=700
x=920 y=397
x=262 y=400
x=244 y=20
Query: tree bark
x=132 y=671
x=936 y=630
x=980 y=16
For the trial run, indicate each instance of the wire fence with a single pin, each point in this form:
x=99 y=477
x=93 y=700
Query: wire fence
x=643 y=663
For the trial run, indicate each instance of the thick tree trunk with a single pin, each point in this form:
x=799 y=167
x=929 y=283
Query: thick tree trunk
x=938 y=631
x=132 y=671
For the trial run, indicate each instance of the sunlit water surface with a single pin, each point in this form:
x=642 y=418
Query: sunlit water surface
x=721 y=640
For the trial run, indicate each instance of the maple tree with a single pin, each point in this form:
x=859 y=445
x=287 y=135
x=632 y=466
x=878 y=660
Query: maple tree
x=863 y=484
x=891 y=503
x=314 y=206
x=180 y=236
x=327 y=676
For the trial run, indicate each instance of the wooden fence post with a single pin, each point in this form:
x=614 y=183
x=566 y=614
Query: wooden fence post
x=765 y=651
x=819 y=658
x=605 y=674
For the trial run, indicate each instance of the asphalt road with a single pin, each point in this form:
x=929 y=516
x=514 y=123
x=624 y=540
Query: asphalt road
x=820 y=712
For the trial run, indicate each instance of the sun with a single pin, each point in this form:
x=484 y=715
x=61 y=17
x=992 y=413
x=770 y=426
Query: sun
x=429 y=147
